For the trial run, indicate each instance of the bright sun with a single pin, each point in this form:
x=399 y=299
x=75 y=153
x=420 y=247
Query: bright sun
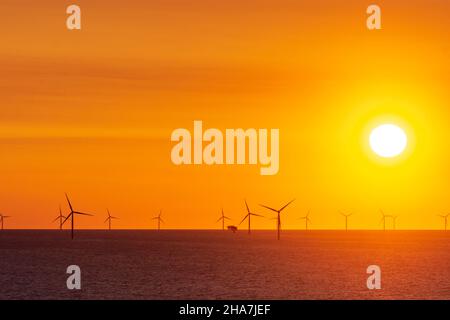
x=388 y=140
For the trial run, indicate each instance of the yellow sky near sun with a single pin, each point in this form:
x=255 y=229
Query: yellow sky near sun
x=91 y=112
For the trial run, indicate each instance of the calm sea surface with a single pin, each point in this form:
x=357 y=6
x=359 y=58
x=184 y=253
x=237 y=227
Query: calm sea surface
x=222 y=265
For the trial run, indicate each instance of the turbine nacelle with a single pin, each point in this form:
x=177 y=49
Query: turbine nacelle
x=346 y=214
x=158 y=217
x=110 y=217
x=223 y=217
x=278 y=215
x=306 y=217
x=72 y=214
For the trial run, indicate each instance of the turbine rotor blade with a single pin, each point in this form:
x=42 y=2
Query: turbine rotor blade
x=67 y=218
x=84 y=214
x=255 y=214
x=244 y=219
x=269 y=208
x=68 y=201
x=287 y=205
x=248 y=209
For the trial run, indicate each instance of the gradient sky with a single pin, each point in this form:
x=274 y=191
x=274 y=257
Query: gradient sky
x=90 y=112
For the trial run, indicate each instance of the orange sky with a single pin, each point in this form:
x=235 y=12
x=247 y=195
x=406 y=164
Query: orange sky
x=90 y=112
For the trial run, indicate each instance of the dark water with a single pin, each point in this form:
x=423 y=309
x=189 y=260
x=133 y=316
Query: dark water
x=222 y=265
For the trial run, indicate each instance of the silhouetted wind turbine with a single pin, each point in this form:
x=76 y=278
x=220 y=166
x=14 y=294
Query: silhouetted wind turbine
x=249 y=215
x=158 y=217
x=110 y=217
x=383 y=219
x=60 y=217
x=346 y=215
x=2 y=218
x=445 y=219
x=72 y=215
x=307 y=219
x=278 y=216
x=394 y=219
x=223 y=218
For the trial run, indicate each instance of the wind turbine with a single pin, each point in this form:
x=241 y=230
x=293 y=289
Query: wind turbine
x=72 y=215
x=2 y=218
x=278 y=216
x=346 y=215
x=249 y=215
x=445 y=219
x=223 y=218
x=394 y=219
x=158 y=217
x=307 y=219
x=110 y=217
x=60 y=217
x=383 y=219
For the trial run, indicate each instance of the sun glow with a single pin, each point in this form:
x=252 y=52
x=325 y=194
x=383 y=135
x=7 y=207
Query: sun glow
x=388 y=140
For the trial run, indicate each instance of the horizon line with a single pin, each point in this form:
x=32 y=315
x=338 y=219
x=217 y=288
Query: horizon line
x=205 y=229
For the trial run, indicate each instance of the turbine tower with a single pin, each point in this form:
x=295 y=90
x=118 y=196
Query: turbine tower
x=249 y=215
x=445 y=217
x=60 y=218
x=394 y=219
x=72 y=215
x=278 y=216
x=346 y=215
x=307 y=219
x=383 y=219
x=158 y=217
x=2 y=218
x=223 y=218
x=109 y=218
